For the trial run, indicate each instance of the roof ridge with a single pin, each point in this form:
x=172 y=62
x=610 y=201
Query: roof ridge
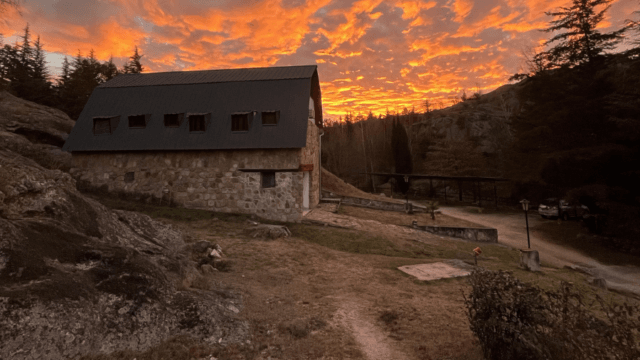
x=228 y=69
x=212 y=76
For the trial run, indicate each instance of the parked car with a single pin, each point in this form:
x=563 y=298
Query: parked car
x=554 y=208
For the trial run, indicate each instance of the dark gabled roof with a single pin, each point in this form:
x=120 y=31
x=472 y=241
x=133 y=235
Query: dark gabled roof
x=212 y=76
x=219 y=93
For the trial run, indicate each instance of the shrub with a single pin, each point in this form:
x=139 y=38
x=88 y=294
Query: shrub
x=514 y=320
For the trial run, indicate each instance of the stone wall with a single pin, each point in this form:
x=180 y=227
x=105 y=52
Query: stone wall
x=201 y=179
x=310 y=155
x=474 y=234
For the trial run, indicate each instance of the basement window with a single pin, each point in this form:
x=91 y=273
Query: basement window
x=105 y=125
x=173 y=120
x=240 y=122
x=197 y=123
x=129 y=177
x=270 y=117
x=138 y=121
x=268 y=179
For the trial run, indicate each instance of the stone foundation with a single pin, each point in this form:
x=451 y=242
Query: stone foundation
x=208 y=180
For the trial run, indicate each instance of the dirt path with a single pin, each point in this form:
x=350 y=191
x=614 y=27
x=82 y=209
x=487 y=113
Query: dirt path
x=373 y=343
x=512 y=232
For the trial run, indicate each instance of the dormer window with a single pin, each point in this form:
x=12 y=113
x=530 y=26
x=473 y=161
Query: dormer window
x=198 y=122
x=270 y=117
x=240 y=122
x=105 y=125
x=138 y=121
x=173 y=120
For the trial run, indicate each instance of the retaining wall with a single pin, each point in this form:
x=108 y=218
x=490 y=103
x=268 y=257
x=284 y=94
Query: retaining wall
x=488 y=235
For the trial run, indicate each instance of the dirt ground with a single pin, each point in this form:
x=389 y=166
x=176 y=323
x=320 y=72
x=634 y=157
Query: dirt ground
x=336 y=293
x=622 y=274
x=290 y=280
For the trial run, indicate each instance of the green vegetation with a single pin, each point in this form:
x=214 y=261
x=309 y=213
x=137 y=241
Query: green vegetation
x=515 y=320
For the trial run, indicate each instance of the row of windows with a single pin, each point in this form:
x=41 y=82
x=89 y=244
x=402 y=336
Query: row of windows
x=197 y=122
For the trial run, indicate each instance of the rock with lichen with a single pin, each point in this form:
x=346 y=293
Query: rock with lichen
x=78 y=278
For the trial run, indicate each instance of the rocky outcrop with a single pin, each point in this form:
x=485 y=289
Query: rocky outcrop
x=78 y=278
x=486 y=119
x=34 y=131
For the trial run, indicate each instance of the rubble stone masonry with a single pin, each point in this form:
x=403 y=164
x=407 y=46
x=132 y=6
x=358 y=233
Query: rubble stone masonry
x=208 y=179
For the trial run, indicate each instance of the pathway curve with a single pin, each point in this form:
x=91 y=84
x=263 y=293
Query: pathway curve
x=512 y=232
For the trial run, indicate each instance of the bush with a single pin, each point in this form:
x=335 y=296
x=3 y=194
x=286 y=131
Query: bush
x=514 y=320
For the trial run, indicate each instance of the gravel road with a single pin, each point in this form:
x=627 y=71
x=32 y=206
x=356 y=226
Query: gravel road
x=512 y=232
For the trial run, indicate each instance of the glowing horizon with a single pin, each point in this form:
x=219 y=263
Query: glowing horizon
x=372 y=55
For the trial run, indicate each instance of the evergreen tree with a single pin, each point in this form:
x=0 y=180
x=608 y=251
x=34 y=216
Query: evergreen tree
x=26 y=52
x=579 y=42
x=39 y=63
x=134 y=66
x=66 y=69
x=109 y=70
x=401 y=153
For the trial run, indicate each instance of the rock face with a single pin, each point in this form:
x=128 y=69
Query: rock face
x=486 y=119
x=34 y=131
x=78 y=278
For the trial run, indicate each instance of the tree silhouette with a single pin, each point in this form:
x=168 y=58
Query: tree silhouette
x=134 y=66
x=578 y=42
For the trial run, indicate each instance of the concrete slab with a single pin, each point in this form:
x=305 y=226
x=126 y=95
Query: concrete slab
x=440 y=270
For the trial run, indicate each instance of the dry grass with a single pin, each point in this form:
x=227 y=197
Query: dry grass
x=403 y=219
x=296 y=290
x=334 y=184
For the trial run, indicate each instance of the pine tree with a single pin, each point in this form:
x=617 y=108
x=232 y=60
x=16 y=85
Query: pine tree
x=109 y=70
x=580 y=42
x=26 y=53
x=401 y=152
x=40 y=71
x=66 y=70
x=134 y=66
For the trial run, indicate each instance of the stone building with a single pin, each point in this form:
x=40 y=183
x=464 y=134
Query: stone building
x=241 y=140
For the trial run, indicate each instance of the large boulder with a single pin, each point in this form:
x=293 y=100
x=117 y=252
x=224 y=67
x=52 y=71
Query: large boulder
x=34 y=131
x=78 y=278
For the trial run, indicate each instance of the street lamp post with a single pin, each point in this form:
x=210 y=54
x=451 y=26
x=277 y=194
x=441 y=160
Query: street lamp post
x=525 y=207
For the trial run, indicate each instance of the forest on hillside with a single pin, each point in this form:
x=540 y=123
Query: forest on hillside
x=570 y=123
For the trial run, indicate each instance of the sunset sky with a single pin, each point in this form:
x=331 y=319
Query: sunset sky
x=371 y=54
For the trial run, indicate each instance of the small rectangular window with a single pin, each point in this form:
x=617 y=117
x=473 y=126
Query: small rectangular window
x=240 y=122
x=129 y=177
x=196 y=123
x=172 y=120
x=268 y=179
x=137 y=121
x=270 y=117
x=102 y=126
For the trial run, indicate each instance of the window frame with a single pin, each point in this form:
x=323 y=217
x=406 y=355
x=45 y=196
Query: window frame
x=113 y=124
x=275 y=112
x=144 y=117
x=205 y=122
x=247 y=121
x=180 y=119
x=263 y=177
x=129 y=177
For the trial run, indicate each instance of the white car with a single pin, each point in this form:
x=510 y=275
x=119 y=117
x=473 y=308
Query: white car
x=554 y=208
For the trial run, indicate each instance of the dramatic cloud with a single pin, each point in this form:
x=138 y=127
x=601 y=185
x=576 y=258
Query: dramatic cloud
x=372 y=55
